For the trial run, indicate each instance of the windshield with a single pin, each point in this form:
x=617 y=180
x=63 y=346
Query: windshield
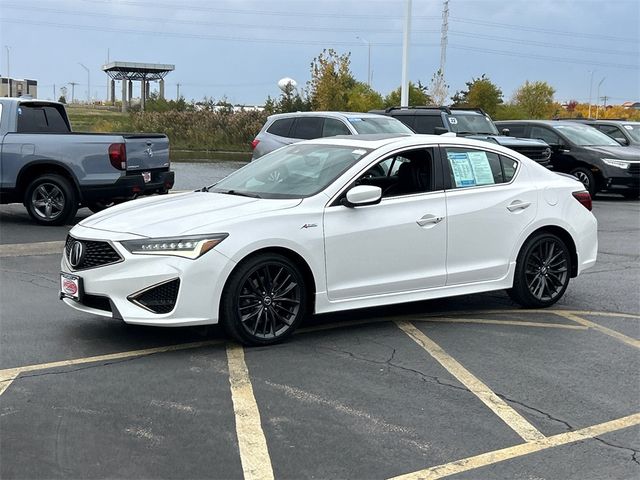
x=584 y=135
x=633 y=129
x=471 y=124
x=294 y=171
x=378 y=125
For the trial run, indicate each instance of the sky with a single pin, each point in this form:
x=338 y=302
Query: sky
x=239 y=49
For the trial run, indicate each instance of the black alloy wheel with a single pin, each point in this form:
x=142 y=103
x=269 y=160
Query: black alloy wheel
x=587 y=178
x=51 y=200
x=542 y=272
x=264 y=300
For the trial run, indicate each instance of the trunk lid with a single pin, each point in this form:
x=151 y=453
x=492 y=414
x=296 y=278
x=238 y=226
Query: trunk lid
x=147 y=152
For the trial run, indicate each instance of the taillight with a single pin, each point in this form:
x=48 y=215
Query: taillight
x=118 y=156
x=584 y=198
x=255 y=143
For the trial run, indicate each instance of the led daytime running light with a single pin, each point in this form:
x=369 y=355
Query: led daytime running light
x=187 y=247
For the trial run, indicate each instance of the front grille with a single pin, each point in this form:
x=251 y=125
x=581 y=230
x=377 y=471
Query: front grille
x=634 y=169
x=159 y=298
x=534 y=153
x=96 y=254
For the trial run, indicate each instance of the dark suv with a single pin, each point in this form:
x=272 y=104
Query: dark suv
x=622 y=131
x=596 y=159
x=467 y=122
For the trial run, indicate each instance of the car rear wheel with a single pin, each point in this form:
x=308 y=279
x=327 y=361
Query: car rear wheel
x=542 y=272
x=586 y=177
x=51 y=200
x=264 y=300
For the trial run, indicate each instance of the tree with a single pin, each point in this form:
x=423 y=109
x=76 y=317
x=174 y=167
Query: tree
x=535 y=99
x=362 y=98
x=331 y=81
x=438 y=88
x=480 y=93
x=417 y=96
x=62 y=99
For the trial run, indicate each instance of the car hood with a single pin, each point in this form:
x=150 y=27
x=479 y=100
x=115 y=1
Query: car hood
x=510 y=142
x=179 y=214
x=623 y=153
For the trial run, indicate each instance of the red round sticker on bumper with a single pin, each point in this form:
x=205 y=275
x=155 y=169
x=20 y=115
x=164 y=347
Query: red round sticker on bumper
x=69 y=287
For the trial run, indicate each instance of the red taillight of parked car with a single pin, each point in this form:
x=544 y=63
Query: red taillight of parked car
x=118 y=156
x=584 y=198
x=254 y=144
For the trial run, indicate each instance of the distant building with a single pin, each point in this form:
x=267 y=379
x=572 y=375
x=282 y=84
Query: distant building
x=632 y=105
x=18 y=87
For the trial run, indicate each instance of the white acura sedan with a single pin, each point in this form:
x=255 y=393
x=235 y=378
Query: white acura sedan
x=335 y=224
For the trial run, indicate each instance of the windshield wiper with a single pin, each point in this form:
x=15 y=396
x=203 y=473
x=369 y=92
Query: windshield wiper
x=240 y=194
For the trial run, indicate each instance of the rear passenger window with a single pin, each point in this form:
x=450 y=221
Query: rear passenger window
x=307 y=128
x=40 y=119
x=281 y=127
x=334 y=127
x=474 y=168
x=427 y=123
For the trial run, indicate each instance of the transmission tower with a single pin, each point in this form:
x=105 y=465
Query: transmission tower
x=439 y=92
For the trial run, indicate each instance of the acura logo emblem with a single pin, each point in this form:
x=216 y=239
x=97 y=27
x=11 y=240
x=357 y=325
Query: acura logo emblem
x=77 y=254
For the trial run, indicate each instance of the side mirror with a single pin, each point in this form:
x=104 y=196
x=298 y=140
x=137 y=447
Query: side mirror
x=621 y=140
x=505 y=132
x=439 y=130
x=362 y=195
x=560 y=148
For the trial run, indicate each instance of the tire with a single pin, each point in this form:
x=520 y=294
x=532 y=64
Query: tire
x=51 y=200
x=269 y=289
x=586 y=177
x=542 y=272
x=96 y=207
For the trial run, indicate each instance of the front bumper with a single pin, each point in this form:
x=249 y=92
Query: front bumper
x=109 y=290
x=128 y=187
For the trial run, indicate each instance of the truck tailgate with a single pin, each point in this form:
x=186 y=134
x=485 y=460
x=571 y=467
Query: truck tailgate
x=147 y=152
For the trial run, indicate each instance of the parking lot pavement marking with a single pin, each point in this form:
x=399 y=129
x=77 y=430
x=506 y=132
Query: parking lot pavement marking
x=254 y=455
x=9 y=374
x=607 y=331
x=540 y=311
x=512 y=418
x=499 y=322
x=27 y=249
x=516 y=451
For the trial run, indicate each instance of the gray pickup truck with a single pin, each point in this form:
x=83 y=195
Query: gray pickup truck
x=54 y=171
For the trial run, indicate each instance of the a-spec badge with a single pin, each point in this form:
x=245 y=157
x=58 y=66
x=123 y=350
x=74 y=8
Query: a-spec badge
x=309 y=225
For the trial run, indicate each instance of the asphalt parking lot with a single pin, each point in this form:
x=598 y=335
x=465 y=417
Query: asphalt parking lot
x=462 y=388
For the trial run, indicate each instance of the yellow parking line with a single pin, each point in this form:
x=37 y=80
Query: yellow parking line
x=27 y=249
x=498 y=322
x=9 y=374
x=607 y=331
x=516 y=451
x=254 y=455
x=498 y=406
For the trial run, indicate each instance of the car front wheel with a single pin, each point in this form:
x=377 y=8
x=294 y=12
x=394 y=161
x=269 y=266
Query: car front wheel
x=264 y=300
x=542 y=272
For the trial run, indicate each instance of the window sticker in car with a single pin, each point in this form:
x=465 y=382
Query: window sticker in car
x=453 y=120
x=354 y=119
x=481 y=168
x=461 y=167
x=628 y=127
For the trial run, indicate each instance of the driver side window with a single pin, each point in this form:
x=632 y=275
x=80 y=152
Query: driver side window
x=405 y=173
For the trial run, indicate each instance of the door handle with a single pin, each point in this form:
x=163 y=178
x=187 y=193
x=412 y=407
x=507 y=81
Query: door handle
x=517 y=205
x=429 y=219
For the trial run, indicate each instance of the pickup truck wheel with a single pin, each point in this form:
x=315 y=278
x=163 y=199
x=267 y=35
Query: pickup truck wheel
x=51 y=200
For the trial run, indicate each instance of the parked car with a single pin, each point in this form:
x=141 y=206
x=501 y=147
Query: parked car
x=597 y=160
x=53 y=171
x=287 y=128
x=349 y=223
x=622 y=131
x=466 y=122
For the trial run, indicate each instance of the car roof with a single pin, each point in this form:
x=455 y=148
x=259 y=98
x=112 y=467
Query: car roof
x=614 y=122
x=345 y=115
x=540 y=122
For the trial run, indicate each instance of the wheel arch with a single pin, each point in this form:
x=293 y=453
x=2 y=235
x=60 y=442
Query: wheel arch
x=565 y=236
x=37 y=168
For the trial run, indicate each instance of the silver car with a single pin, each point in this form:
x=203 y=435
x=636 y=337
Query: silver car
x=286 y=128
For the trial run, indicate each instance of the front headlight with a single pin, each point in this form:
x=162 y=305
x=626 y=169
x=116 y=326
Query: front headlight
x=190 y=247
x=614 y=162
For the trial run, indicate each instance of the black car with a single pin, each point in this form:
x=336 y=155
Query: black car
x=596 y=159
x=466 y=122
x=622 y=131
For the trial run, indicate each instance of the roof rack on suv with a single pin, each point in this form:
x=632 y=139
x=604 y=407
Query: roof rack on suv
x=420 y=107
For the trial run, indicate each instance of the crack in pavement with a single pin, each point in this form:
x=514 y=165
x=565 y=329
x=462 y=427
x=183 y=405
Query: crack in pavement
x=634 y=453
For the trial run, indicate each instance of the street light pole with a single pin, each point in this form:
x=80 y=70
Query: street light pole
x=369 y=62
x=404 y=88
x=590 y=91
x=8 y=73
x=597 y=97
x=88 y=83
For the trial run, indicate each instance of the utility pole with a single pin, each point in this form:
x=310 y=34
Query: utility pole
x=369 y=62
x=404 y=88
x=8 y=73
x=604 y=99
x=440 y=87
x=73 y=89
x=54 y=92
x=178 y=91
x=590 y=91
x=598 y=96
x=88 y=83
